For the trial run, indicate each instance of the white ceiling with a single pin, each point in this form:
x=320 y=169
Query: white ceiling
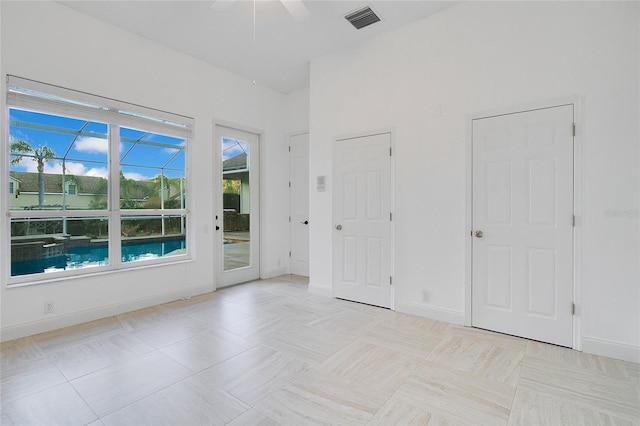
x=222 y=33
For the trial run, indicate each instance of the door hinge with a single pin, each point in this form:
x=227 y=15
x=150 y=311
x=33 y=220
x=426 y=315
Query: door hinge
x=289 y=219
x=390 y=280
x=289 y=253
x=390 y=216
x=573 y=128
x=573 y=309
x=289 y=184
x=573 y=221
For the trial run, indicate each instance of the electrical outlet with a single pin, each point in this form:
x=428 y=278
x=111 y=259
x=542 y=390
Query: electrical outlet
x=48 y=307
x=425 y=295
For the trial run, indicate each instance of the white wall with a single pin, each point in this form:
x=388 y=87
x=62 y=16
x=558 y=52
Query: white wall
x=48 y=42
x=296 y=112
x=426 y=79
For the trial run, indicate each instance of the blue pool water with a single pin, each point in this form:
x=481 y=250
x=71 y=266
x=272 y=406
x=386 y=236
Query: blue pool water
x=84 y=257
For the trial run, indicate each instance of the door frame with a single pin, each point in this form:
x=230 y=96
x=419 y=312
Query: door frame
x=578 y=159
x=218 y=263
x=392 y=201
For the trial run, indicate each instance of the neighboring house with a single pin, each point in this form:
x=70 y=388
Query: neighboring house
x=79 y=191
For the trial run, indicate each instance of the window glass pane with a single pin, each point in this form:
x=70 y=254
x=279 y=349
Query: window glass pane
x=150 y=237
x=236 y=195
x=57 y=244
x=152 y=170
x=49 y=153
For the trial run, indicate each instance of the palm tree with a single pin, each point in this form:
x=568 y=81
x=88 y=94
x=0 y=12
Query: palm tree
x=40 y=155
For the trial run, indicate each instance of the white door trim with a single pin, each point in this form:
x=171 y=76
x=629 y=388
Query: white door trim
x=578 y=158
x=392 y=134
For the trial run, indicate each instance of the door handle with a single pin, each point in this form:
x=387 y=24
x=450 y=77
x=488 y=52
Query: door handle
x=306 y=222
x=339 y=227
x=479 y=234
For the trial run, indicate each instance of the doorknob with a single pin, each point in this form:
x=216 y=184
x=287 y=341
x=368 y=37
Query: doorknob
x=339 y=227
x=479 y=234
x=306 y=222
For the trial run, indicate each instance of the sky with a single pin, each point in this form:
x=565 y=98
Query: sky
x=88 y=155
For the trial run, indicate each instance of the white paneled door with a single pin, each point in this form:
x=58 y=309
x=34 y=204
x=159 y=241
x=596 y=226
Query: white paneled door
x=522 y=279
x=299 y=192
x=362 y=220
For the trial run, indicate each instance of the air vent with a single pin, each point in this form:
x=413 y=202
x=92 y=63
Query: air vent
x=362 y=18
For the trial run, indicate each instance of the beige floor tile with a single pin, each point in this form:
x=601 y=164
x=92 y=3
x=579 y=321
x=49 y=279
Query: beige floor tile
x=347 y=323
x=479 y=357
x=168 y=333
x=367 y=364
x=252 y=299
x=457 y=396
x=154 y=316
x=306 y=359
x=581 y=386
x=530 y=408
x=253 y=417
x=59 y=405
x=56 y=340
x=316 y=398
x=192 y=304
x=190 y=402
x=399 y=411
x=503 y=340
x=609 y=366
x=402 y=338
x=254 y=374
x=207 y=349
x=426 y=325
x=285 y=288
x=295 y=311
x=222 y=312
x=83 y=359
x=19 y=351
x=258 y=328
x=113 y=388
x=633 y=369
x=29 y=378
x=307 y=343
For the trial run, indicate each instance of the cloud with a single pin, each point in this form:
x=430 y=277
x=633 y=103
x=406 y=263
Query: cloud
x=135 y=176
x=92 y=145
x=98 y=172
x=170 y=150
x=55 y=167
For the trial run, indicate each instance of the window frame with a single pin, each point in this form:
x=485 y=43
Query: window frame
x=40 y=97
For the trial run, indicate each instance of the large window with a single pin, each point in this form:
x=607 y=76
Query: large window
x=93 y=183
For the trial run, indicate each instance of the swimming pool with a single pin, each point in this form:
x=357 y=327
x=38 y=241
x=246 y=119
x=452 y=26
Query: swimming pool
x=87 y=257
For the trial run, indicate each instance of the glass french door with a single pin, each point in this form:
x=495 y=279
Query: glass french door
x=238 y=212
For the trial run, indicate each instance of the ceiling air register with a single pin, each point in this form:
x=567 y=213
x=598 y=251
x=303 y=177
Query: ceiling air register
x=362 y=18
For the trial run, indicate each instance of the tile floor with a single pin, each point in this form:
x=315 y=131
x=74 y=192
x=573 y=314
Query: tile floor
x=268 y=352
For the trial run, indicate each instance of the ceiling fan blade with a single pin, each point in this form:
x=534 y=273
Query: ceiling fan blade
x=221 y=5
x=297 y=9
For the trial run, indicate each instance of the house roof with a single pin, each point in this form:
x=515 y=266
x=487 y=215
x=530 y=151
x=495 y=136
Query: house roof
x=239 y=162
x=53 y=183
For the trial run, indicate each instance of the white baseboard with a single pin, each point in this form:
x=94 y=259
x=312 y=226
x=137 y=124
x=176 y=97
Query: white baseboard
x=40 y=326
x=431 y=312
x=320 y=290
x=611 y=349
x=283 y=270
